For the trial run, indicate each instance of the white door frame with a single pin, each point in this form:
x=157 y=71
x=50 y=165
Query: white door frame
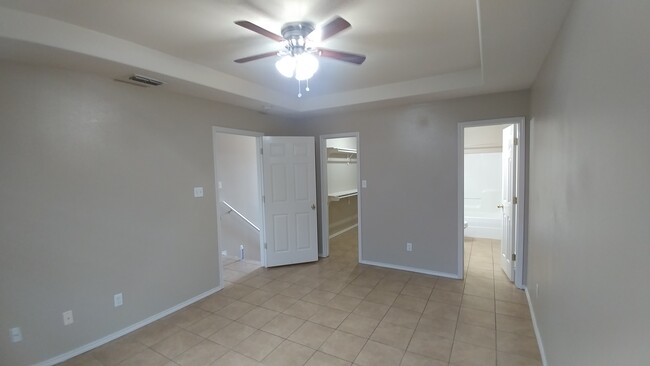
x=260 y=181
x=324 y=209
x=520 y=267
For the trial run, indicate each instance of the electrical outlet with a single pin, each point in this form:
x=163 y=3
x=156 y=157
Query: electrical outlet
x=16 y=335
x=67 y=318
x=409 y=247
x=224 y=253
x=198 y=192
x=118 y=300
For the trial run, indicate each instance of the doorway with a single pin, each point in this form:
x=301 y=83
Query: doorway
x=239 y=205
x=340 y=198
x=491 y=198
x=264 y=222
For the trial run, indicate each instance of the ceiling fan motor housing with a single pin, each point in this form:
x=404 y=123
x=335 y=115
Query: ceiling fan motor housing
x=296 y=33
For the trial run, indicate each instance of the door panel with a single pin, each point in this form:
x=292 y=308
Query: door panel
x=301 y=179
x=280 y=233
x=303 y=228
x=508 y=192
x=290 y=200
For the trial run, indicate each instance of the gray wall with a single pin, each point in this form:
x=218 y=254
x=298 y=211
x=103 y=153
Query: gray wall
x=96 y=183
x=589 y=179
x=409 y=157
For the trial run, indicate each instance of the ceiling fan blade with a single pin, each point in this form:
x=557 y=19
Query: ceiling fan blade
x=256 y=57
x=335 y=26
x=343 y=56
x=259 y=30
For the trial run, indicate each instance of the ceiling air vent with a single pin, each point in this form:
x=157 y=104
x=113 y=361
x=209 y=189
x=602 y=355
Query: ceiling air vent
x=145 y=80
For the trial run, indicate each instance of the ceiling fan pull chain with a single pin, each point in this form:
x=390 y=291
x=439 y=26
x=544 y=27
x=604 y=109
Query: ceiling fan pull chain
x=307 y=88
x=299 y=92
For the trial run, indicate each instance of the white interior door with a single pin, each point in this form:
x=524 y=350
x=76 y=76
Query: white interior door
x=508 y=194
x=289 y=169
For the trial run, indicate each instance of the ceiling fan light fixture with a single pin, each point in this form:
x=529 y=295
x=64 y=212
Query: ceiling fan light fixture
x=302 y=66
x=286 y=66
x=306 y=66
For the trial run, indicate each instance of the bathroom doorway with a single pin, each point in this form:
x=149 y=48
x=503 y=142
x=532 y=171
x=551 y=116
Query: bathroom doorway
x=340 y=198
x=491 y=198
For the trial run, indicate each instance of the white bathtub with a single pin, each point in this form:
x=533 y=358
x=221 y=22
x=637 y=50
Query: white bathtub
x=483 y=226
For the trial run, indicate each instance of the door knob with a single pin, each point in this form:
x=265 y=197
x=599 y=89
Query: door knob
x=313 y=206
x=500 y=206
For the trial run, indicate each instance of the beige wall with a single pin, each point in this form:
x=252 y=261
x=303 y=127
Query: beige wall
x=409 y=157
x=589 y=204
x=96 y=196
x=96 y=183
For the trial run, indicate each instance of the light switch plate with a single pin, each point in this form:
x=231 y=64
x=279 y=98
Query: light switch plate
x=16 y=335
x=67 y=318
x=118 y=300
x=198 y=192
x=364 y=184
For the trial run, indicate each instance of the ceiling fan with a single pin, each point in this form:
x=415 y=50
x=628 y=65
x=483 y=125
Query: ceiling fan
x=297 y=57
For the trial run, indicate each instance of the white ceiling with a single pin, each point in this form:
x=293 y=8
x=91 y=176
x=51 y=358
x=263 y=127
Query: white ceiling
x=417 y=50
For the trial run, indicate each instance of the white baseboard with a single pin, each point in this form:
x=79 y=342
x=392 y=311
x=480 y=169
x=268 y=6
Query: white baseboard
x=344 y=221
x=540 y=344
x=411 y=269
x=343 y=231
x=124 y=331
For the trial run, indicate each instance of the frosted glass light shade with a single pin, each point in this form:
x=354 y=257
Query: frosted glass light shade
x=286 y=66
x=306 y=66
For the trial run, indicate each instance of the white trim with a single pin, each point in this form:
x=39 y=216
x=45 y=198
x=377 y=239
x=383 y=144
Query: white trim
x=411 y=269
x=124 y=331
x=324 y=211
x=521 y=192
x=347 y=222
x=521 y=205
x=460 y=269
x=234 y=131
x=343 y=231
x=538 y=336
x=260 y=193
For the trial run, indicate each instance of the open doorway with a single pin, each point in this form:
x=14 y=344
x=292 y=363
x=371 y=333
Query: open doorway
x=340 y=208
x=491 y=210
x=239 y=206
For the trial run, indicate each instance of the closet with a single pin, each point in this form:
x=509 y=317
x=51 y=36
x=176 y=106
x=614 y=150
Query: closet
x=342 y=180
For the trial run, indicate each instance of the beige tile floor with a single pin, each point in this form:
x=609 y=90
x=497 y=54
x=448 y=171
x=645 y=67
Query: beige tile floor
x=338 y=312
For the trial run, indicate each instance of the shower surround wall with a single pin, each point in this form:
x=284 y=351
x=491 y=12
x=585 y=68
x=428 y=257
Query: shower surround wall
x=483 y=194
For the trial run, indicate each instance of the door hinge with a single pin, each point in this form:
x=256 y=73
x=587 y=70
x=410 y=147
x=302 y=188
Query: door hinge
x=263 y=199
x=265 y=246
x=514 y=200
x=516 y=141
x=514 y=257
x=261 y=151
